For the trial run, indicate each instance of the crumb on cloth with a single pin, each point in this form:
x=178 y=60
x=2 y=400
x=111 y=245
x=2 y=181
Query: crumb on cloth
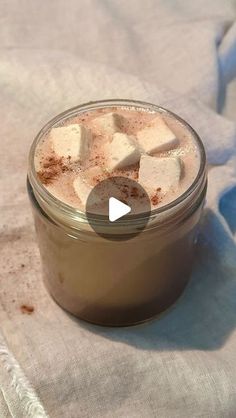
x=27 y=309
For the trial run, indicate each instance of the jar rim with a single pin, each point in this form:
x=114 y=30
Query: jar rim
x=73 y=212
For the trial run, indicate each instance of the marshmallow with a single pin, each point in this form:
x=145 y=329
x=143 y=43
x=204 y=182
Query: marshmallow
x=72 y=140
x=156 y=137
x=84 y=183
x=108 y=123
x=122 y=151
x=155 y=172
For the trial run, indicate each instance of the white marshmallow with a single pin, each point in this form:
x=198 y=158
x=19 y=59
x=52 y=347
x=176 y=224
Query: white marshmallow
x=156 y=137
x=84 y=183
x=82 y=189
x=122 y=151
x=72 y=140
x=155 y=172
x=109 y=123
x=93 y=174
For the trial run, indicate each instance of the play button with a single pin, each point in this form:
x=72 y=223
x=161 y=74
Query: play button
x=117 y=209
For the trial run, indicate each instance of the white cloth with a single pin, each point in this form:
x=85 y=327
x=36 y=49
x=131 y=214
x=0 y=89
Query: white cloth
x=55 y=55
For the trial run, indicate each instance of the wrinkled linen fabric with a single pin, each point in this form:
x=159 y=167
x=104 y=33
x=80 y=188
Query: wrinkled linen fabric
x=55 y=55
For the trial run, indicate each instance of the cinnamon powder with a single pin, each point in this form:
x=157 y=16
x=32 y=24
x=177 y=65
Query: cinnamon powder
x=52 y=168
x=156 y=198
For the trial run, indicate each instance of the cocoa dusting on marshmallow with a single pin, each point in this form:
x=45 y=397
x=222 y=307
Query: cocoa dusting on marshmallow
x=97 y=179
x=155 y=200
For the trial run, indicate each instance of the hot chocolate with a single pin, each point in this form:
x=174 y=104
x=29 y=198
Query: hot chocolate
x=118 y=282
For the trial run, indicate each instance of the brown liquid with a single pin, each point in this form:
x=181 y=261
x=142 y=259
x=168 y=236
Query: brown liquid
x=116 y=283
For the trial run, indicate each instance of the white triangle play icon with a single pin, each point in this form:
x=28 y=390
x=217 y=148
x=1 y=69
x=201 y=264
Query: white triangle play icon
x=117 y=209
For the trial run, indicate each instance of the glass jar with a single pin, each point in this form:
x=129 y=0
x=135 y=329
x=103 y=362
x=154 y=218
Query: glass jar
x=116 y=282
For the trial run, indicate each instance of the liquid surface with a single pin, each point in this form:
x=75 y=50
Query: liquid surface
x=57 y=174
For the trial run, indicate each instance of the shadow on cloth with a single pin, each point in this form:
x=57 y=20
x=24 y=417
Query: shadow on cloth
x=205 y=315
x=227 y=207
